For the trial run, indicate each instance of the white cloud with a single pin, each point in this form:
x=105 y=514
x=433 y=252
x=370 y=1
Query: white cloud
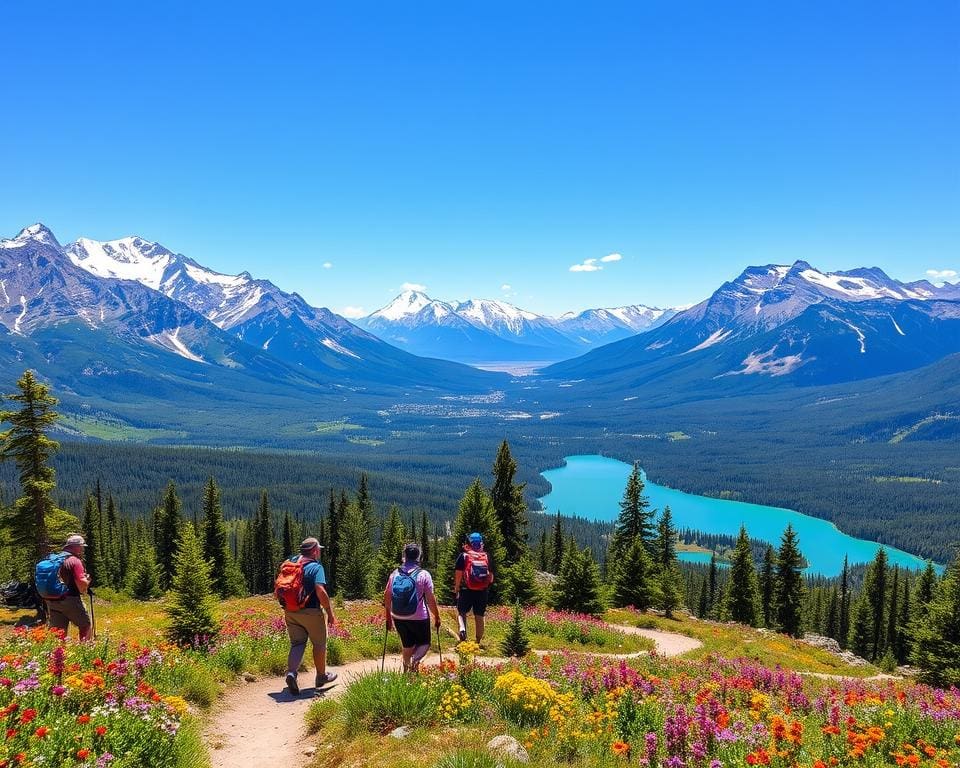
x=941 y=274
x=611 y=257
x=352 y=313
x=588 y=265
x=327 y=265
x=413 y=287
x=506 y=287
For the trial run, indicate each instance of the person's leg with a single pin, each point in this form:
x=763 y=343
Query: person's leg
x=56 y=618
x=479 y=611
x=463 y=608
x=316 y=624
x=480 y=626
x=422 y=647
x=298 y=643
x=77 y=613
x=407 y=654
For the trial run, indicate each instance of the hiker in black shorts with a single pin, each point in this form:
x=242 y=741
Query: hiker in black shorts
x=472 y=578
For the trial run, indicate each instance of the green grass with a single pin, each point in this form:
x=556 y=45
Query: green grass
x=115 y=430
x=365 y=441
x=675 y=436
x=906 y=432
x=334 y=427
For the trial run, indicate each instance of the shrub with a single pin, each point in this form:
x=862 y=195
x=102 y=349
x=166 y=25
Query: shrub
x=382 y=701
x=334 y=651
x=468 y=758
x=320 y=713
x=516 y=642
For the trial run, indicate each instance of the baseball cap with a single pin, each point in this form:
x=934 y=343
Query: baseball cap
x=476 y=538
x=75 y=540
x=310 y=544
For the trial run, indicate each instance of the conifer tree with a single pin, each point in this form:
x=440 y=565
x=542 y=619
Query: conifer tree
x=356 y=558
x=331 y=553
x=35 y=520
x=290 y=538
x=516 y=642
x=214 y=530
x=91 y=527
x=426 y=551
x=246 y=558
x=742 y=587
x=936 y=637
x=703 y=600
x=475 y=513
x=111 y=544
x=635 y=582
x=191 y=609
x=902 y=649
x=893 y=610
x=669 y=592
x=577 y=587
x=832 y=624
x=364 y=503
x=145 y=575
x=392 y=540
x=523 y=585
x=926 y=587
x=558 y=548
x=635 y=519
x=843 y=622
x=508 y=505
x=167 y=522
x=789 y=585
x=264 y=548
x=875 y=592
x=767 y=583
x=543 y=552
x=861 y=629
x=712 y=593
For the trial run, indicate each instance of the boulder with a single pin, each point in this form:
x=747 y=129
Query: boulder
x=508 y=747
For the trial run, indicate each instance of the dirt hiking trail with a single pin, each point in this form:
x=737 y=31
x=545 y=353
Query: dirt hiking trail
x=260 y=725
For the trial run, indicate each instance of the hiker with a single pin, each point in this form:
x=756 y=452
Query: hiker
x=62 y=580
x=301 y=590
x=408 y=595
x=472 y=578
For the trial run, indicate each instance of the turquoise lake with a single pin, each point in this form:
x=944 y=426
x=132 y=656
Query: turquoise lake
x=592 y=486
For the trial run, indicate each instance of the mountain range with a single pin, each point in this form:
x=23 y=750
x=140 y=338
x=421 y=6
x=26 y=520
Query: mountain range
x=485 y=331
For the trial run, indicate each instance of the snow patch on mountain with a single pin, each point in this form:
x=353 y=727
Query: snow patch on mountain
x=714 y=338
x=766 y=363
x=170 y=340
x=339 y=348
x=23 y=314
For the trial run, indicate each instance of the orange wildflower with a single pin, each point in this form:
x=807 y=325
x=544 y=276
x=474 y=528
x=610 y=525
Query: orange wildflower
x=620 y=748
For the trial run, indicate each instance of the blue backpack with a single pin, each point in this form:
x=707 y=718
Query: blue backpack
x=403 y=592
x=47 y=576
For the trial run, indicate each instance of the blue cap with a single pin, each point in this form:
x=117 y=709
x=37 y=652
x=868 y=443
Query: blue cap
x=476 y=538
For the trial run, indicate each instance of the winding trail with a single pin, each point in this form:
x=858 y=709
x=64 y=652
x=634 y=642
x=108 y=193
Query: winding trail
x=259 y=724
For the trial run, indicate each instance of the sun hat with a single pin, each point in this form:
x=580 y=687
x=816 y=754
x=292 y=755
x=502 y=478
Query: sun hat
x=75 y=540
x=309 y=544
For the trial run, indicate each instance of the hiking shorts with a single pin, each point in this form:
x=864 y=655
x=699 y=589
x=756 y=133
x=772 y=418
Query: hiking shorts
x=472 y=599
x=307 y=622
x=413 y=632
x=66 y=611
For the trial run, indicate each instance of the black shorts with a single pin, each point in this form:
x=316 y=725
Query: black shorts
x=472 y=599
x=413 y=632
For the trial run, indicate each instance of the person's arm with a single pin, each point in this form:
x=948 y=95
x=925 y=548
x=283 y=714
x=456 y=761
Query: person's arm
x=457 y=578
x=80 y=576
x=324 y=599
x=387 y=606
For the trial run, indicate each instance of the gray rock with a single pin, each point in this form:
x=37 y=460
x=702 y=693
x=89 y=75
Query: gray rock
x=508 y=747
x=249 y=677
x=401 y=733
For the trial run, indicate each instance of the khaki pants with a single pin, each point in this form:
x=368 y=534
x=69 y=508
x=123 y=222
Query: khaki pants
x=307 y=622
x=66 y=611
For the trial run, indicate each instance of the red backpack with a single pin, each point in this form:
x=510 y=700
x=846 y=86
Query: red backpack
x=288 y=588
x=477 y=569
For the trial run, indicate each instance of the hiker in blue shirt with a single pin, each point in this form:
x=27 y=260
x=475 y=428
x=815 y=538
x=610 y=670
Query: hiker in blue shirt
x=408 y=595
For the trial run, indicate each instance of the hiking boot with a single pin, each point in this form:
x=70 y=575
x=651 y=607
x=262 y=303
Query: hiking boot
x=292 y=684
x=463 y=635
x=325 y=679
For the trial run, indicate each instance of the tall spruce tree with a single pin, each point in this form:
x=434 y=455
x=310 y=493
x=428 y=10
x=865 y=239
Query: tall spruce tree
x=290 y=537
x=789 y=585
x=635 y=582
x=426 y=551
x=543 y=552
x=936 y=637
x=475 y=513
x=35 y=520
x=332 y=552
x=893 y=610
x=902 y=649
x=712 y=586
x=925 y=590
x=356 y=559
x=669 y=592
x=843 y=623
x=167 y=522
x=875 y=592
x=558 y=547
x=831 y=626
x=191 y=609
x=91 y=528
x=861 y=629
x=508 y=505
x=264 y=548
x=364 y=502
x=111 y=545
x=215 y=546
x=577 y=587
x=742 y=586
x=392 y=540
x=635 y=519
x=768 y=583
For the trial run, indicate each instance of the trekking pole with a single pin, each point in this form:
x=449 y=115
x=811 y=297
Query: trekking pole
x=383 y=659
x=93 y=616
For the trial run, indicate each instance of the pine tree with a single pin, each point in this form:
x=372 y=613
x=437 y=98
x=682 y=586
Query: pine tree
x=290 y=538
x=356 y=558
x=523 y=583
x=925 y=590
x=635 y=519
x=214 y=529
x=191 y=609
x=634 y=583
x=364 y=503
x=509 y=505
x=577 y=587
x=712 y=593
x=768 y=581
x=392 y=540
x=516 y=643
x=742 y=587
x=703 y=600
x=843 y=623
x=145 y=577
x=111 y=544
x=264 y=548
x=246 y=557
x=893 y=611
x=426 y=552
x=875 y=592
x=558 y=548
x=903 y=645
x=35 y=520
x=124 y=552
x=543 y=552
x=936 y=638
x=789 y=585
x=669 y=592
x=91 y=527
x=861 y=629
x=167 y=522
x=832 y=624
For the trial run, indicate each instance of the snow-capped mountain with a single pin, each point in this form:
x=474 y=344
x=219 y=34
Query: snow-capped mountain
x=487 y=330
x=793 y=321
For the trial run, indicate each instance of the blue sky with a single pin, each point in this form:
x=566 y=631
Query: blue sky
x=482 y=150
